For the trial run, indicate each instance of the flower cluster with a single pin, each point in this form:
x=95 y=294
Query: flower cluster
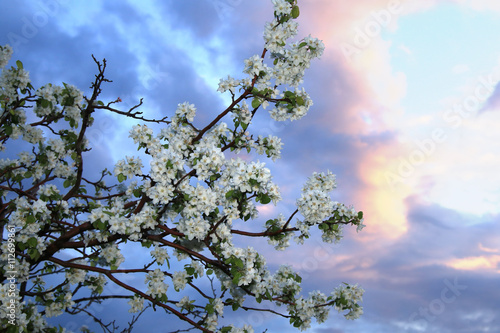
x=129 y=168
x=207 y=158
x=280 y=240
x=242 y=114
x=112 y=255
x=95 y=283
x=75 y=275
x=270 y=146
x=317 y=208
x=304 y=309
x=136 y=304
x=12 y=80
x=5 y=55
x=246 y=177
x=160 y=254
x=185 y=113
x=347 y=297
x=67 y=96
x=155 y=281
x=315 y=203
x=282 y=7
x=57 y=305
x=228 y=84
x=179 y=280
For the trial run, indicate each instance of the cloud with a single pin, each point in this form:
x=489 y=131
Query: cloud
x=493 y=102
x=486 y=262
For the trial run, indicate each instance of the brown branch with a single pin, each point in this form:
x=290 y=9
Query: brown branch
x=129 y=113
x=58 y=244
x=96 y=86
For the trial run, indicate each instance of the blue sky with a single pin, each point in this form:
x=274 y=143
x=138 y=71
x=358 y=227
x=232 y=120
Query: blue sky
x=426 y=176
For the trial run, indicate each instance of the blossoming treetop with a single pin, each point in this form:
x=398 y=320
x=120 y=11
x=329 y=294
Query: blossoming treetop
x=63 y=232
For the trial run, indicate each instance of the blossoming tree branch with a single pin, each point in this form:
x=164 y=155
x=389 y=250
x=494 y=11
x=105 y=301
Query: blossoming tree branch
x=64 y=233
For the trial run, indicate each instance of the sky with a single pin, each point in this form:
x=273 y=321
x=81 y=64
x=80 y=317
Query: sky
x=406 y=114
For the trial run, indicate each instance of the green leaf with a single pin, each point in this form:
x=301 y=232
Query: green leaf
x=360 y=215
x=67 y=183
x=32 y=242
x=236 y=278
x=230 y=194
x=244 y=126
x=121 y=177
x=255 y=103
x=210 y=271
x=238 y=262
x=147 y=244
x=190 y=270
x=99 y=290
x=100 y=103
x=30 y=219
x=68 y=101
x=264 y=198
x=300 y=100
x=301 y=45
x=8 y=130
x=99 y=225
x=45 y=103
x=19 y=64
x=34 y=254
x=295 y=12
